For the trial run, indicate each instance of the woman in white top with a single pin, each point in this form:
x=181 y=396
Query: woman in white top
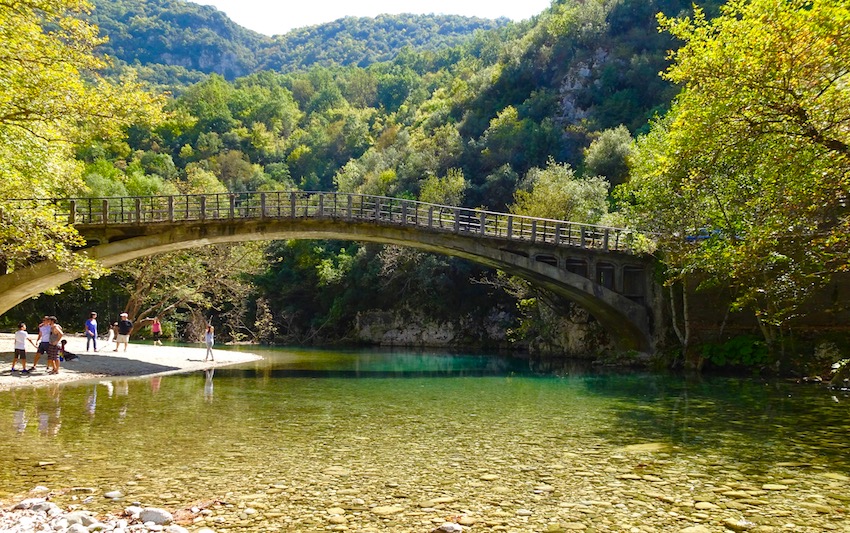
x=209 y=338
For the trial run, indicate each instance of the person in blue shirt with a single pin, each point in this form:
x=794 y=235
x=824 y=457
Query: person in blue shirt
x=91 y=331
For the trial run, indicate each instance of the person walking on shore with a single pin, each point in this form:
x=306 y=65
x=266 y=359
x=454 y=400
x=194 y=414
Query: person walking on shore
x=56 y=334
x=209 y=339
x=21 y=338
x=156 y=329
x=125 y=326
x=43 y=340
x=91 y=331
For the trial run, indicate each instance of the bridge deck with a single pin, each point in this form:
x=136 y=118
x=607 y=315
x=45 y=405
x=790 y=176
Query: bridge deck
x=117 y=211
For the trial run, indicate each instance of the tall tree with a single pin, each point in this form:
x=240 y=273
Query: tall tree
x=51 y=98
x=194 y=284
x=753 y=160
x=555 y=192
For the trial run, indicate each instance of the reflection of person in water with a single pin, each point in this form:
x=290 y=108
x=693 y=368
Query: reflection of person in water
x=49 y=412
x=20 y=417
x=208 y=384
x=91 y=402
x=110 y=388
x=54 y=421
x=20 y=420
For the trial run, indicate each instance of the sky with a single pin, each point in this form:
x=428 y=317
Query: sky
x=275 y=17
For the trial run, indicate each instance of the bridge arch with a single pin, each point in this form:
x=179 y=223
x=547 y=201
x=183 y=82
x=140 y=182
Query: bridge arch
x=539 y=262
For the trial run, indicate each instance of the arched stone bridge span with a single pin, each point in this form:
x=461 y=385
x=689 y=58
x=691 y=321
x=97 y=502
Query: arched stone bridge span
x=590 y=265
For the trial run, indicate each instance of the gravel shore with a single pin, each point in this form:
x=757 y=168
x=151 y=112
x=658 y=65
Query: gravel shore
x=140 y=360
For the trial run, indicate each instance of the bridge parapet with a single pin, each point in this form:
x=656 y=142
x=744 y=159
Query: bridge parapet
x=119 y=211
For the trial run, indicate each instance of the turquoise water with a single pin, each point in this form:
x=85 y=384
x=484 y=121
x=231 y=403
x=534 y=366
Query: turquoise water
x=306 y=430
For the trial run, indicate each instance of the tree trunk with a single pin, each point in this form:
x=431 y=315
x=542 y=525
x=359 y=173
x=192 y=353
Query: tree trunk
x=684 y=332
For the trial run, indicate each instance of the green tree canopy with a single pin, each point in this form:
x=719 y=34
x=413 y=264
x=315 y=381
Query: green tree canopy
x=754 y=154
x=608 y=154
x=556 y=192
x=51 y=97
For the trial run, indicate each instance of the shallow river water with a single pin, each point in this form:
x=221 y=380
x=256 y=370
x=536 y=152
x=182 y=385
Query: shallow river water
x=312 y=440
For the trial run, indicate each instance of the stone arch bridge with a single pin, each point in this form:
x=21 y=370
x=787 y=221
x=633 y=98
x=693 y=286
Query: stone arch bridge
x=593 y=266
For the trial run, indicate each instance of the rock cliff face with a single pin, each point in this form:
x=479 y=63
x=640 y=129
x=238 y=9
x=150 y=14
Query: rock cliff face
x=413 y=328
x=575 y=335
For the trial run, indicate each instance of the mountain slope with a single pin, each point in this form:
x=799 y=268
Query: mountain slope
x=362 y=41
x=175 y=32
x=201 y=38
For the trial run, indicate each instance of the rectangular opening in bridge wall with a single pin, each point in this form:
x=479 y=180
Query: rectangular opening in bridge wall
x=605 y=275
x=577 y=267
x=548 y=259
x=634 y=283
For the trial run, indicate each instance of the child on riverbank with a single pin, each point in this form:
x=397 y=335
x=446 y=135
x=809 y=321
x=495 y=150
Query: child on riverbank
x=65 y=355
x=209 y=339
x=21 y=338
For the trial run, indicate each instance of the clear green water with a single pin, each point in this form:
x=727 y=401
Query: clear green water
x=307 y=430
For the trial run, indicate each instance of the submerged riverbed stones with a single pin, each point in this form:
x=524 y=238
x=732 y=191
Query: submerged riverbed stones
x=696 y=529
x=536 y=486
x=386 y=510
x=157 y=516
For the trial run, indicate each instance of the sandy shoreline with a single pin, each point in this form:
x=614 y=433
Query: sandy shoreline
x=139 y=360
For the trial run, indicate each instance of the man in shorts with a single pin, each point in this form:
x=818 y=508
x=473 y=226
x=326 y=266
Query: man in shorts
x=56 y=335
x=124 y=329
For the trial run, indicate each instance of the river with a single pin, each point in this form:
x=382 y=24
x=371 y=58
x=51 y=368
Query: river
x=310 y=440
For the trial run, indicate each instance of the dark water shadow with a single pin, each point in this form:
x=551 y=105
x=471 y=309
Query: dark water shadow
x=752 y=420
x=114 y=365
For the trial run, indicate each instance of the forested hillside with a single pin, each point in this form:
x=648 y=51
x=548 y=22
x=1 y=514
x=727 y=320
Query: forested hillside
x=535 y=117
x=179 y=33
x=538 y=118
x=362 y=41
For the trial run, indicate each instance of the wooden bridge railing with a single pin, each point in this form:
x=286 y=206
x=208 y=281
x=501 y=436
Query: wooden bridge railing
x=354 y=207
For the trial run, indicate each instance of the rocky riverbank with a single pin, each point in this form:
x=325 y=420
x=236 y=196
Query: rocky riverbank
x=38 y=514
x=355 y=476
x=549 y=501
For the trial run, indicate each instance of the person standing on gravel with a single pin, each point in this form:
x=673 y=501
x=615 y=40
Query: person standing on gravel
x=156 y=329
x=55 y=336
x=113 y=331
x=124 y=329
x=209 y=339
x=21 y=338
x=43 y=340
x=91 y=331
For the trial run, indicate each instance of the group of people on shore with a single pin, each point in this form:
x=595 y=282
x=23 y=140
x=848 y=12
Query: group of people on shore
x=119 y=332
x=51 y=343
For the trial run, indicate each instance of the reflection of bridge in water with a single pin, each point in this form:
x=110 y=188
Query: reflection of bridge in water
x=593 y=266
